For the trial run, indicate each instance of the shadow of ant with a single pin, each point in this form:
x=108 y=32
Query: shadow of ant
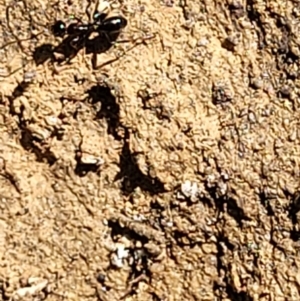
x=65 y=51
x=131 y=175
x=109 y=110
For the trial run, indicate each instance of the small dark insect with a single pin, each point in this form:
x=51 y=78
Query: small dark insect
x=76 y=35
x=80 y=31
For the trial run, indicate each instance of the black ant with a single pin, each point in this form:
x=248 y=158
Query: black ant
x=76 y=36
x=80 y=32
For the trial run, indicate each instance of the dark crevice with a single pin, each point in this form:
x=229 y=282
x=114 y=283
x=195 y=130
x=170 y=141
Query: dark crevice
x=294 y=216
x=265 y=202
x=295 y=235
x=131 y=175
x=140 y=257
x=106 y=107
x=82 y=169
x=27 y=141
x=236 y=296
x=275 y=244
x=225 y=284
x=233 y=209
x=236 y=10
x=109 y=108
x=117 y=230
x=4 y=284
x=155 y=297
x=178 y=236
x=18 y=92
x=255 y=17
x=294 y=208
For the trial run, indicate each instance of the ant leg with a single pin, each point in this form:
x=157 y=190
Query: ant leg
x=57 y=67
x=10 y=73
x=20 y=40
x=75 y=48
x=17 y=39
x=11 y=30
x=9 y=43
x=137 y=42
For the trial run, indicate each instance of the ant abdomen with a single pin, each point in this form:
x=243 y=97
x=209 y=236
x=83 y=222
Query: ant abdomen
x=113 y=24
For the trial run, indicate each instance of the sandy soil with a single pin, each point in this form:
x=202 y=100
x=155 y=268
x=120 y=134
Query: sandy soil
x=170 y=174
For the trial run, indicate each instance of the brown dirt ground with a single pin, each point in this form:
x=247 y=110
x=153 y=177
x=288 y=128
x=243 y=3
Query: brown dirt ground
x=171 y=174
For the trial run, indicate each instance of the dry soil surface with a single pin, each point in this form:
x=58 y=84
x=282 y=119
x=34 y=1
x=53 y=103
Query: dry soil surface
x=171 y=173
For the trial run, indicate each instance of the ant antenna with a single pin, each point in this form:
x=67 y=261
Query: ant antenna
x=11 y=30
x=136 y=42
x=88 y=12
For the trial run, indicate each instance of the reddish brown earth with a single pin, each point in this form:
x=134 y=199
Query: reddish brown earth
x=170 y=174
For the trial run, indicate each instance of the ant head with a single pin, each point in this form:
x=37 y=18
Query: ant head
x=59 y=28
x=99 y=17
